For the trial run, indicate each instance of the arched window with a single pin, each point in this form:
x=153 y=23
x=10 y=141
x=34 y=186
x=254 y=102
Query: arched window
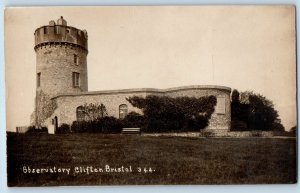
x=80 y=114
x=123 y=111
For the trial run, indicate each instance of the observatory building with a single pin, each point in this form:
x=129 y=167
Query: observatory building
x=62 y=82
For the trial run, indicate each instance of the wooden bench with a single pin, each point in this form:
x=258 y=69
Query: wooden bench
x=131 y=131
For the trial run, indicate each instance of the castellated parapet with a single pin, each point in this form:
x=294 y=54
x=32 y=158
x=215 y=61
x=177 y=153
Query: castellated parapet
x=61 y=58
x=62 y=83
x=60 y=32
x=61 y=64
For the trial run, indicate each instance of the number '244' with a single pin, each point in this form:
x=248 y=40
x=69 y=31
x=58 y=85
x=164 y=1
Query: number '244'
x=145 y=170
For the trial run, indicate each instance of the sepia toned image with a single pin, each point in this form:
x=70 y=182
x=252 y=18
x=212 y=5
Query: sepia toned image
x=150 y=95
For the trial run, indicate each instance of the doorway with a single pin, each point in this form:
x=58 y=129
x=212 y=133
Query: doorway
x=55 y=124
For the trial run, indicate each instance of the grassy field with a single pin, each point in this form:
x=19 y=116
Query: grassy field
x=173 y=160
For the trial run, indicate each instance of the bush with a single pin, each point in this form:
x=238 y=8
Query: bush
x=167 y=114
x=64 y=128
x=110 y=125
x=134 y=119
x=44 y=130
x=84 y=126
x=237 y=125
x=31 y=129
x=101 y=125
x=195 y=123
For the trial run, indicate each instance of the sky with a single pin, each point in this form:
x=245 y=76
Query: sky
x=242 y=47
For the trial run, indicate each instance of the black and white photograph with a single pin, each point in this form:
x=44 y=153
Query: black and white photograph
x=150 y=95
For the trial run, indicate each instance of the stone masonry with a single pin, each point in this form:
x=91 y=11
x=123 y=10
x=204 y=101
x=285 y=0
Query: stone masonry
x=112 y=99
x=56 y=48
x=61 y=54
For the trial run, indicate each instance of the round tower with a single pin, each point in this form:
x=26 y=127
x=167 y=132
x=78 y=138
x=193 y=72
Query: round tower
x=61 y=64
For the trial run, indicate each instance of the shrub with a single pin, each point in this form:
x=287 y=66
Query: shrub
x=30 y=129
x=195 y=123
x=237 y=125
x=44 y=130
x=133 y=119
x=110 y=125
x=79 y=126
x=64 y=128
x=165 y=114
x=101 y=125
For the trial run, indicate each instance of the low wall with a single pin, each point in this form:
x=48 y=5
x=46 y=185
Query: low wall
x=215 y=133
x=183 y=134
x=22 y=129
x=251 y=134
x=224 y=133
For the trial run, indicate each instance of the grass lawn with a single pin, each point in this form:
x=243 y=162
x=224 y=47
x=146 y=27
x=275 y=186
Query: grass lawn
x=173 y=160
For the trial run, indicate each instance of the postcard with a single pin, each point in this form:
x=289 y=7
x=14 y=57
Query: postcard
x=150 y=95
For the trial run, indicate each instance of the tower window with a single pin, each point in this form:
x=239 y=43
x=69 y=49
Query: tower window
x=45 y=30
x=76 y=59
x=123 y=111
x=38 y=79
x=76 y=79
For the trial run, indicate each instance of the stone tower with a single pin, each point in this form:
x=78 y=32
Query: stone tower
x=61 y=63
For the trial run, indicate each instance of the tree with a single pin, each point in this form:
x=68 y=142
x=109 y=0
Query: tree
x=235 y=97
x=239 y=113
x=254 y=111
x=293 y=130
x=93 y=112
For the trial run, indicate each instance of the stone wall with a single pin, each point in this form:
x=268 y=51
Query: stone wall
x=251 y=134
x=67 y=105
x=216 y=133
x=60 y=33
x=56 y=46
x=112 y=99
x=56 y=65
x=226 y=133
x=61 y=50
x=217 y=121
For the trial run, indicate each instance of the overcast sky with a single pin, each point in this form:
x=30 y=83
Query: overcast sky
x=242 y=47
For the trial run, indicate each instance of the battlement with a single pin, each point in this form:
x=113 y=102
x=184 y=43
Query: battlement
x=60 y=33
